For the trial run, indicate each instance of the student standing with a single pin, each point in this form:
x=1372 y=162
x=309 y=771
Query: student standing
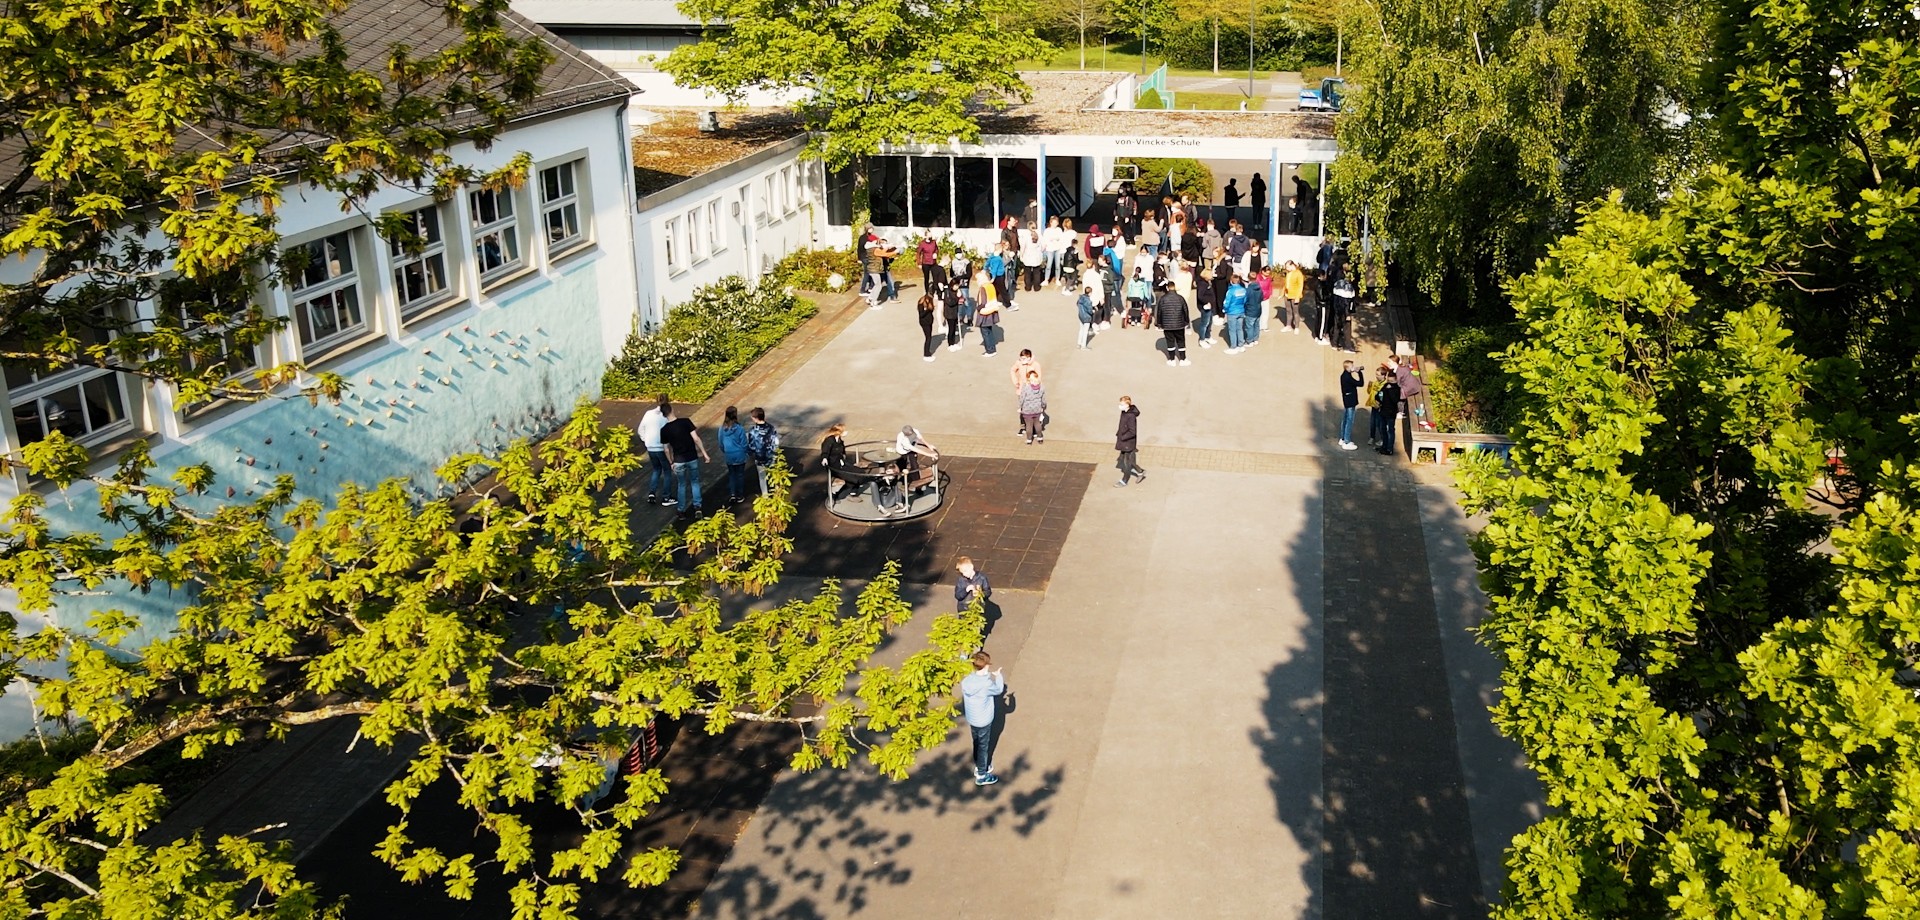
x=980 y=699
x=950 y=300
x=733 y=449
x=927 y=253
x=1033 y=260
x=1351 y=382
x=1085 y=307
x=1054 y=241
x=1025 y=364
x=686 y=450
x=927 y=309
x=1033 y=409
x=1203 y=307
x=1231 y=197
x=1170 y=313
x=1386 y=411
x=1258 y=192
x=988 y=319
x=1292 y=288
x=763 y=445
x=659 y=468
x=1150 y=234
x=1126 y=440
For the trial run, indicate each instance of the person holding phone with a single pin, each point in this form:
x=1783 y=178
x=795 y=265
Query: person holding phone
x=980 y=699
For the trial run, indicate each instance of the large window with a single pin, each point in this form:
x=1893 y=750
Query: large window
x=676 y=253
x=87 y=404
x=324 y=294
x=496 y=232
x=932 y=191
x=419 y=258
x=887 y=190
x=840 y=197
x=560 y=207
x=973 y=192
x=1017 y=186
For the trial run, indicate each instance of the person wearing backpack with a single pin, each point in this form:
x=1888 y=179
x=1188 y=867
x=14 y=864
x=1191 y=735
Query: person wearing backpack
x=733 y=449
x=763 y=445
x=1137 y=294
x=1085 y=306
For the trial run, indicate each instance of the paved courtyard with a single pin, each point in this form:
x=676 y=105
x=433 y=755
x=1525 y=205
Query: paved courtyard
x=1244 y=688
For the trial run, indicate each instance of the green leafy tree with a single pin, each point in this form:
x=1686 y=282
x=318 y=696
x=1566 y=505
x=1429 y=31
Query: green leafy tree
x=1701 y=565
x=1213 y=12
x=1074 y=19
x=148 y=145
x=403 y=615
x=866 y=74
x=1474 y=132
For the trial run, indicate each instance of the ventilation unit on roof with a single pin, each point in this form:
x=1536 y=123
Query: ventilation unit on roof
x=708 y=121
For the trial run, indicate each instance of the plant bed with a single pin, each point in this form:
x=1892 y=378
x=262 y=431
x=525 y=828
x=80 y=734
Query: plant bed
x=706 y=341
x=1467 y=390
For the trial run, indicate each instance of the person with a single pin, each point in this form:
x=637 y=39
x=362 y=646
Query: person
x=1138 y=293
x=890 y=289
x=1085 y=307
x=1265 y=288
x=997 y=270
x=1176 y=231
x=1236 y=242
x=733 y=449
x=1170 y=314
x=950 y=300
x=1411 y=387
x=1096 y=241
x=1292 y=288
x=988 y=318
x=1234 y=306
x=912 y=446
x=980 y=698
x=1230 y=196
x=1010 y=234
x=686 y=449
x=927 y=309
x=1385 y=414
x=1126 y=440
x=1033 y=259
x=1297 y=223
x=833 y=454
x=1110 y=288
x=1211 y=240
x=1070 y=262
x=1351 y=381
x=927 y=253
x=1032 y=214
x=1150 y=234
x=1033 y=409
x=1257 y=191
x=960 y=275
x=972 y=585
x=1203 y=307
x=763 y=445
x=1127 y=216
x=1191 y=242
x=659 y=468
x=1343 y=294
x=1054 y=242
x=1025 y=364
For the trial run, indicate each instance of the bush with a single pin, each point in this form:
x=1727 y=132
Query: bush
x=813 y=269
x=705 y=341
x=1190 y=177
x=1150 y=100
x=1466 y=388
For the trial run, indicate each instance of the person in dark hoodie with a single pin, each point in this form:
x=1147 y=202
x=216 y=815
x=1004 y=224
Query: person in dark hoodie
x=1126 y=440
x=1170 y=314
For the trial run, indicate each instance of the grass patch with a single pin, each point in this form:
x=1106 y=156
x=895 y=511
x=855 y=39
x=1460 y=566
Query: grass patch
x=1067 y=57
x=1217 y=102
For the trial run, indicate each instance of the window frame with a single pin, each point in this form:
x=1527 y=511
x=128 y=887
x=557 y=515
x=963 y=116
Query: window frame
x=351 y=282
x=478 y=230
x=574 y=198
x=399 y=260
x=672 y=236
x=694 y=236
x=716 y=240
x=37 y=391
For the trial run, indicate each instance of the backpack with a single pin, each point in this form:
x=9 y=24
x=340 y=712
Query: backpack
x=762 y=441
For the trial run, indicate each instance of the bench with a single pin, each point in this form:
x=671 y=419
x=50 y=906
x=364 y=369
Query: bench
x=1400 y=322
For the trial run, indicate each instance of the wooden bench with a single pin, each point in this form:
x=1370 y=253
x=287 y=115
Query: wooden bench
x=1400 y=323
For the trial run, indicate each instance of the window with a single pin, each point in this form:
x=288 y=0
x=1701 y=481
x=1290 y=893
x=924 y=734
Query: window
x=496 y=234
x=769 y=208
x=786 y=190
x=87 y=404
x=419 y=256
x=674 y=251
x=716 y=241
x=209 y=311
x=324 y=294
x=696 y=238
x=560 y=207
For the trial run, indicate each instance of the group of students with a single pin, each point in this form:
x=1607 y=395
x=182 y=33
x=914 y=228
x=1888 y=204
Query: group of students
x=1395 y=387
x=893 y=484
x=675 y=451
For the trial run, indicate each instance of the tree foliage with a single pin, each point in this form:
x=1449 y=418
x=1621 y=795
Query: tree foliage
x=425 y=622
x=1474 y=132
x=147 y=146
x=869 y=73
x=1702 y=563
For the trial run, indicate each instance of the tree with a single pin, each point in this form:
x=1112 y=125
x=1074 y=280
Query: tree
x=1077 y=17
x=1473 y=133
x=865 y=74
x=1701 y=565
x=149 y=145
x=417 y=619
x=1212 y=12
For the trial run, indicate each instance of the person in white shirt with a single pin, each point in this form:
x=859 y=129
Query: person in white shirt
x=1054 y=241
x=660 y=481
x=980 y=698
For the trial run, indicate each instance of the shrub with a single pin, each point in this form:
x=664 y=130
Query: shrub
x=1466 y=389
x=812 y=269
x=1190 y=177
x=705 y=341
x=1150 y=100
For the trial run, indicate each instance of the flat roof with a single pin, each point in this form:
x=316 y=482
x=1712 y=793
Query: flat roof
x=1063 y=103
x=552 y=13
x=674 y=149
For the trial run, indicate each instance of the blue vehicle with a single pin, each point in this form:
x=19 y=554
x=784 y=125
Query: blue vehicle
x=1325 y=99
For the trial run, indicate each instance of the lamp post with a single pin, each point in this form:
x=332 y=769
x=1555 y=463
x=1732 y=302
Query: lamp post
x=1143 y=37
x=1251 y=4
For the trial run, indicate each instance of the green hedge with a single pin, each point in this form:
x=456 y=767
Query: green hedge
x=1466 y=389
x=810 y=269
x=1190 y=177
x=705 y=341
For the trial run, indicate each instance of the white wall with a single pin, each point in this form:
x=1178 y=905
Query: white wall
x=659 y=89
x=737 y=220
